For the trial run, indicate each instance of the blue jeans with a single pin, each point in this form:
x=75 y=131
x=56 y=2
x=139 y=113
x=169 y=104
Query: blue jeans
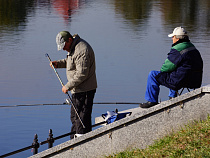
x=153 y=88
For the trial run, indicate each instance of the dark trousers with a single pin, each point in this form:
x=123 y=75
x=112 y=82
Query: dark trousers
x=83 y=103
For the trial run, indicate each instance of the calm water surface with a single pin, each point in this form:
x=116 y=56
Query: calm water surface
x=129 y=39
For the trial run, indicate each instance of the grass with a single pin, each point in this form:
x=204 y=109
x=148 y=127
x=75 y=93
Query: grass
x=192 y=141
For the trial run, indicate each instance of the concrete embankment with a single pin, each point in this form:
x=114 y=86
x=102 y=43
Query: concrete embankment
x=138 y=130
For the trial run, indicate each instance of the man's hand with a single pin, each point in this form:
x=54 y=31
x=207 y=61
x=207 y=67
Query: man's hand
x=64 y=90
x=54 y=63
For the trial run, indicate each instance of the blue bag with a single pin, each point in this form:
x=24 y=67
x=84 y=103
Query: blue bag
x=112 y=116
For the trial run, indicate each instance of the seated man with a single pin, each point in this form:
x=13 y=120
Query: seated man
x=182 y=68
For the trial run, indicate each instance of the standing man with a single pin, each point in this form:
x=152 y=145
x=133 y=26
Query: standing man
x=80 y=71
x=182 y=68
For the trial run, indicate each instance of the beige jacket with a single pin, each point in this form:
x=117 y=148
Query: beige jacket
x=80 y=67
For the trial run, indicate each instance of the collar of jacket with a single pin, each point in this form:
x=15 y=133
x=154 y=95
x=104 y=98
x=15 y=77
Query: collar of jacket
x=183 y=46
x=76 y=39
x=181 y=41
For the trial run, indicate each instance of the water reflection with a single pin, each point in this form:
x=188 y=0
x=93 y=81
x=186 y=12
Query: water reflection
x=129 y=39
x=13 y=13
x=135 y=12
x=191 y=14
x=13 y=19
x=66 y=8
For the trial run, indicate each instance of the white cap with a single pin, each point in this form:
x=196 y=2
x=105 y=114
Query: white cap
x=60 y=41
x=178 y=31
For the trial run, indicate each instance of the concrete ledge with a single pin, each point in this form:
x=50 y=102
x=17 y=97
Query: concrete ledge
x=138 y=130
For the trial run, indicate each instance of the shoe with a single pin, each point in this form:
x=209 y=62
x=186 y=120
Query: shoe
x=77 y=135
x=147 y=104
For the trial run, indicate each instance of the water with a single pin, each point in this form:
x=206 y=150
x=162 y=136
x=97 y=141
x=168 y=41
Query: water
x=129 y=39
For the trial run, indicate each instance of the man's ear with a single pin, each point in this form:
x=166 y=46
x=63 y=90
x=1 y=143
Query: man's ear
x=70 y=40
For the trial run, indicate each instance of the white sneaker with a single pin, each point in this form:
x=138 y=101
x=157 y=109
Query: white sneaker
x=77 y=135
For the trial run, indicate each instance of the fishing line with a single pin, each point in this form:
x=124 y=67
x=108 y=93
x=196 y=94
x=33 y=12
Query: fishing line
x=25 y=105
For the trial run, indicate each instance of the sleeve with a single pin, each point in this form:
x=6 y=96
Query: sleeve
x=61 y=63
x=172 y=61
x=168 y=66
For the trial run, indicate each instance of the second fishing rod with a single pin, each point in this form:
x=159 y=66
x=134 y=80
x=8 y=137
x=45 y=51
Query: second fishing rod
x=69 y=101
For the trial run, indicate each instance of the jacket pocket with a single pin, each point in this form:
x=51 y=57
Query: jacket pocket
x=70 y=64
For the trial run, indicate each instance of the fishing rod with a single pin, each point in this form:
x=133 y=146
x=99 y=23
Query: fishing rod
x=69 y=101
x=25 y=105
x=115 y=103
x=11 y=106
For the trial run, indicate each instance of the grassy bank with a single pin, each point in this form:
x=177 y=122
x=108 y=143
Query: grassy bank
x=192 y=141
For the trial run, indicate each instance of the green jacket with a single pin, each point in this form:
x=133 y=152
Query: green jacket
x=182 y=68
